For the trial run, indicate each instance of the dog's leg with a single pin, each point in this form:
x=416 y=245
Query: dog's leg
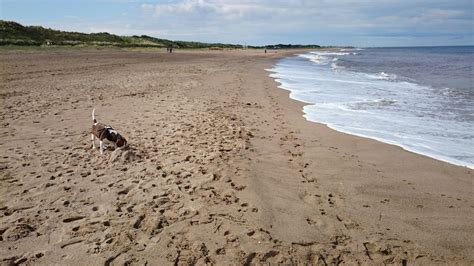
x=93 y=141
x=101 y=144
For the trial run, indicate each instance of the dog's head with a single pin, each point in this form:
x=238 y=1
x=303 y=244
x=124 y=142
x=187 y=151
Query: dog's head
x=121 y=142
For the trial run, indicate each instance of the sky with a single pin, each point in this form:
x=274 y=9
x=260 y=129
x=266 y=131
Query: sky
x=361 y=23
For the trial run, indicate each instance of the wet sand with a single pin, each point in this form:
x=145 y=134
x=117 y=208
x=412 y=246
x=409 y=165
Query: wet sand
x=222 y=168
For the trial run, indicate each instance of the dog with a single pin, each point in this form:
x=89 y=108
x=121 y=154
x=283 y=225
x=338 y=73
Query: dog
x=104 y=132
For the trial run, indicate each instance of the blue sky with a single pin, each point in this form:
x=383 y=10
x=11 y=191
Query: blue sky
x=337 y=22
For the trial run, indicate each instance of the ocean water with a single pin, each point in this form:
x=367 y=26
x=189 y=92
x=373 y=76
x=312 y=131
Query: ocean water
x=421 y=98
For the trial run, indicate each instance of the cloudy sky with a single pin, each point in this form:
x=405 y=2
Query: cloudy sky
x=257 y=22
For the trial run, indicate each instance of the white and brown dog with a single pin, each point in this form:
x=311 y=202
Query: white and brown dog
x=104 y=132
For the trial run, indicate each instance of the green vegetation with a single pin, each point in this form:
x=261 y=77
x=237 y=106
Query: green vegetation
x=12 y=33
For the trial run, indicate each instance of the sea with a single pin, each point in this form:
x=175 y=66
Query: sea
x=419 y=98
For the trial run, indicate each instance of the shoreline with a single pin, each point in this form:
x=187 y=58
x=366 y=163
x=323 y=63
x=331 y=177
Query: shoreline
x=296 y=107
x=222 y=167
x=431 y=156
x=427 y=155
x=440 y=158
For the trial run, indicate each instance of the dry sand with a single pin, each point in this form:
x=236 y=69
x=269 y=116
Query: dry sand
x=222 y=168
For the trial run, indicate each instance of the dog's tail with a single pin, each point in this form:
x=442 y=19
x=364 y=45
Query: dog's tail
x=93 y=115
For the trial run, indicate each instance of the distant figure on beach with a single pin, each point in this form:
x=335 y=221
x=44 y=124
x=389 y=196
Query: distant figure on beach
x=171 y=49
x=265 y=50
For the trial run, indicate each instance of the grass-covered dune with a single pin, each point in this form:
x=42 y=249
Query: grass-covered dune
x=13 y=33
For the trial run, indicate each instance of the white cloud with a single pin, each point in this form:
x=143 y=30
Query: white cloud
x=308 y=21
x=187 y=6
x=439 y=15
x=327 y=22
x=230 y=9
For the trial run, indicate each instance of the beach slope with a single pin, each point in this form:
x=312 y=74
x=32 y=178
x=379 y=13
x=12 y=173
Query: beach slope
x=222 y=168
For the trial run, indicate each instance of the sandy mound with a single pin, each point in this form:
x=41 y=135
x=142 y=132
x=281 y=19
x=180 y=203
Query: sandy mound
x=124 y=155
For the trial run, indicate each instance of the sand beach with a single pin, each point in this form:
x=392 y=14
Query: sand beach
x=221 y=168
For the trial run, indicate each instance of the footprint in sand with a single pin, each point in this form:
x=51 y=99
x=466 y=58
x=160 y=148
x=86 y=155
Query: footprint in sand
x=17 y=231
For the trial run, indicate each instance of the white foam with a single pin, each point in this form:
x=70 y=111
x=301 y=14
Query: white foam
x=316 y=58
x=329 y=53
x=351 y=49
x=378 y=106
x=335 y=66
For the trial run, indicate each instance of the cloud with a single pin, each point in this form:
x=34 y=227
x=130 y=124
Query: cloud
x=215 y=8
x=327 y=22
x=439 y=15
x=349 y=13
x=187 y=6
x=317 y=21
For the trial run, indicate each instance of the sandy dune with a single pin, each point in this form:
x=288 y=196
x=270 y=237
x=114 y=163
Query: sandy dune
x=222 y=168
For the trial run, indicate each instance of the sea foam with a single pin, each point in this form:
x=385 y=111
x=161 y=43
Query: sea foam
x=376 y=105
